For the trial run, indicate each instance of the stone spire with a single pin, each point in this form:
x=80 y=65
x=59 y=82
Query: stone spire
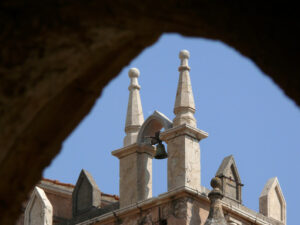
x=134 y=117
x=184 y=167
x=216 y=215
x=184 y=105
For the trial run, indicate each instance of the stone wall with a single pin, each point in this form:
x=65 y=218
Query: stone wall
x=182 y=211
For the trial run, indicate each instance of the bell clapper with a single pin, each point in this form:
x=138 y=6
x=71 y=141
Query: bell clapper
x=160 y=148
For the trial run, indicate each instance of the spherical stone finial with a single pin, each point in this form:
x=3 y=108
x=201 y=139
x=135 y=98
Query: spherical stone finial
x=216 y=183
x=184 y=54
x=134 y=72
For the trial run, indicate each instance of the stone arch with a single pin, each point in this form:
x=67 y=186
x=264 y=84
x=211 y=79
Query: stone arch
x=152 y=124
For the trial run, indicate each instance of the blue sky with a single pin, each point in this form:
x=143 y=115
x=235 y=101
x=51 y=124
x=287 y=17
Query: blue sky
x=245 y=113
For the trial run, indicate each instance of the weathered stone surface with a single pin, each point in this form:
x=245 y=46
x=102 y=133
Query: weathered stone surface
x=135 y=173
x=184 y=108
x=233 y=221
x=183 y=162
x=86 y=194
x=231 y=181
x=216 y=215
x=184 y=167
x=182 y=206
x=182 y=139
x=57 y=56
x=271 y=201
x=194 y=212
x=179 y=211
x=60 y=196
x=135 y=159
x=134 y=116
x=39 y=210
x=128 y=180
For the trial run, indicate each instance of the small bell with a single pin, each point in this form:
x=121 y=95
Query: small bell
x=160 y=151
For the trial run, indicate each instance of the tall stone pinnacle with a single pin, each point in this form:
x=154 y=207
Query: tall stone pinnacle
x=134 y=117
x=184 y=108
x=216 y=215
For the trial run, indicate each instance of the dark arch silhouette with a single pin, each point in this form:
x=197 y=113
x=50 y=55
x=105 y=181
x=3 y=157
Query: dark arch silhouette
x=56 y=57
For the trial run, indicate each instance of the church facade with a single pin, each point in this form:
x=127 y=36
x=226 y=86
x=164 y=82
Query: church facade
x=186 y=202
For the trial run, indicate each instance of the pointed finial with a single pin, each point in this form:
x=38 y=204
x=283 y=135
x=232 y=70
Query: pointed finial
x=134 y=117
x=184 y=55
x=134 y=73
x=216 y=184
x=216 y=215
x=184 y=105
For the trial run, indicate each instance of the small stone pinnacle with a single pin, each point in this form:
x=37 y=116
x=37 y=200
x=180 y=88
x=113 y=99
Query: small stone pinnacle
x=215 y=183
x=134 y=116
x=184 y=108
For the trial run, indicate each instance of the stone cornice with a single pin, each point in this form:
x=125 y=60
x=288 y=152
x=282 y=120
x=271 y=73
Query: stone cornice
x=148 y=203
x=49 y=187
x=184 y=129
x=201 y=195
x=246 y=213
x=134 y=148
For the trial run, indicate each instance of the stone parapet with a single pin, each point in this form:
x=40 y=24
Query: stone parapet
x=193 y=205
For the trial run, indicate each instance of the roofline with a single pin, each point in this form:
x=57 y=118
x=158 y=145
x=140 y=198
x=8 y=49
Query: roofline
x=57 y=182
